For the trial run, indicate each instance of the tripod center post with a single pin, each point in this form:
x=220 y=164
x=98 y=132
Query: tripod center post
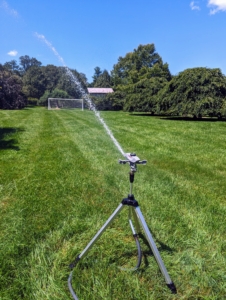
x=131 y=176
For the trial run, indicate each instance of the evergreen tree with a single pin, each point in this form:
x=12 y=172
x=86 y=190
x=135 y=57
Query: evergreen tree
x=103 y=80
x=97 y=73
x=196 y=91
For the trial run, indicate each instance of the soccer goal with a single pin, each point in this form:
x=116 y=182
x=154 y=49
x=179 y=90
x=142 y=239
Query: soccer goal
x=60 y=103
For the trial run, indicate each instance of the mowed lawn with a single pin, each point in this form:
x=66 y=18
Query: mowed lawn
x=60 y=180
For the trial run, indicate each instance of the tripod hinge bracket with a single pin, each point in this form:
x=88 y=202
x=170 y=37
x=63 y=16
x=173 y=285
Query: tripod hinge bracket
x=130 y=201
x=74 y=263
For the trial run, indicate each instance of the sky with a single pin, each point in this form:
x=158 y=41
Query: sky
x=91 y=33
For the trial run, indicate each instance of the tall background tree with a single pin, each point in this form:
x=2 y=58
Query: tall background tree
x=26 y=62
x=12 y=66
x=97 y=73
x=34 y=82
x=52 y=76
x=103 y=80
x=140 y=75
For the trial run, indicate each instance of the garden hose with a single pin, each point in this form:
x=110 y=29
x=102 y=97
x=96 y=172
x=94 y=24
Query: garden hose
x=139 y=258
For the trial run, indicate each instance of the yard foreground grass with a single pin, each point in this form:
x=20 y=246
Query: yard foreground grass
x=60 y=180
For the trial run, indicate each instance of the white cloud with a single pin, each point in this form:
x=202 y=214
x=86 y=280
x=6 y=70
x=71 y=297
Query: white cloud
x=13 y=53
x=218 y=5
x=8 y=9
x=194 y=6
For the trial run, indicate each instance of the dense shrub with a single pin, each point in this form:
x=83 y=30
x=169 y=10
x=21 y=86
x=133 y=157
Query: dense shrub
x=11 y=95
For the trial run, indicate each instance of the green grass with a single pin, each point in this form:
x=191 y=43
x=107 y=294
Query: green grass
x=60 y=180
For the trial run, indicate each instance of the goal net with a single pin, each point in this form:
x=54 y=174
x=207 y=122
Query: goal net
x=60 y=103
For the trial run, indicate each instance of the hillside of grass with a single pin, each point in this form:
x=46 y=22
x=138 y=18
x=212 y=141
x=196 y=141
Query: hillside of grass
x=60 y=180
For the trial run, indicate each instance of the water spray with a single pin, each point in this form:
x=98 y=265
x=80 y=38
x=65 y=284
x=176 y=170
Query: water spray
x=81 y=90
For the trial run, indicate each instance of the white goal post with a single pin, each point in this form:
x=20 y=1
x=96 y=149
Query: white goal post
x=60 y=103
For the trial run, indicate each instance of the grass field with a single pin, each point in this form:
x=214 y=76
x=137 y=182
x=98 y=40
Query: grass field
x=60 y=180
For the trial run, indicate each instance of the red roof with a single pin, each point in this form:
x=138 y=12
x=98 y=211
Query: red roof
x=100 y=90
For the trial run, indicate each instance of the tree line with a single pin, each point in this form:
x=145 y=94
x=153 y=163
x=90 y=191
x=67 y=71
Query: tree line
x=141 y=81
x=31 y=83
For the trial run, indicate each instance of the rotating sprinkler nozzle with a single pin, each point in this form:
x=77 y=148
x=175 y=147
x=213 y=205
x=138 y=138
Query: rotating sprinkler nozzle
x=132 y=159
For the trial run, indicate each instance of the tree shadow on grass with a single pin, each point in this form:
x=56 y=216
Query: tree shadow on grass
x=204 y=119
x=144 y=115
x=177 y=118
x=27 y=107
x=6 y=140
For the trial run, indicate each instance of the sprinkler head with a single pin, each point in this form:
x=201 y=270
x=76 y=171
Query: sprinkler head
x=132 y=160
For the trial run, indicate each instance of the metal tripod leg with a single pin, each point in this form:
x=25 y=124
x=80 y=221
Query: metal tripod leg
x=131 y=212
x=155 y=251
x=135 y=236
x=89 y=246
x=100 y=232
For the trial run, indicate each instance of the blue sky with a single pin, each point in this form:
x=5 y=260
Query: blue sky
x=90 y=33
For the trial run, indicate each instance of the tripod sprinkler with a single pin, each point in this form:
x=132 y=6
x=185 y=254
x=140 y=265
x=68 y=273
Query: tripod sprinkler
x=135 y=212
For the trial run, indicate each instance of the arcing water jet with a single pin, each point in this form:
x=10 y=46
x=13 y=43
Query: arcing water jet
x=83 y=93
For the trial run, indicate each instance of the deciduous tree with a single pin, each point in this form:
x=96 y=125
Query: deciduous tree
x=34 y=82
x=140 y=75
x=68 y=84
x=128 y=68
x=12 y=66
x=26 y=62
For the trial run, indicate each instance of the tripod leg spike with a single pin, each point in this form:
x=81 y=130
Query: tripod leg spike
x=172 y=287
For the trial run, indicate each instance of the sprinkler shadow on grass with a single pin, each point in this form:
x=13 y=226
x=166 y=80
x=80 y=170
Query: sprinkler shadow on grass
x=145 y=253
x=6 y=140
x=163 y=247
